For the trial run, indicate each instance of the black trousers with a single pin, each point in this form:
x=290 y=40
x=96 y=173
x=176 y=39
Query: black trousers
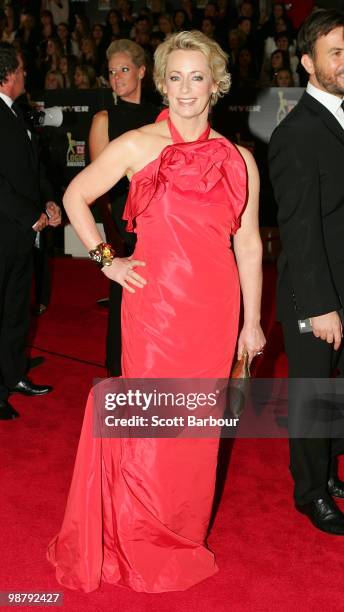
x=114 y=333
x=309 y=358
x=42 y=271
x=15 y=289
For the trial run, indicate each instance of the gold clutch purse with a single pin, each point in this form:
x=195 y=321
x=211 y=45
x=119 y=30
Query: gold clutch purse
x=241 y=368
x=239 y=385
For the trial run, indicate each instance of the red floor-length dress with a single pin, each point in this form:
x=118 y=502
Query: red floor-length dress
x=138 y=509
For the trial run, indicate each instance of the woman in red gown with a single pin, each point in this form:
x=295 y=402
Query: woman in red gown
x=138 y=509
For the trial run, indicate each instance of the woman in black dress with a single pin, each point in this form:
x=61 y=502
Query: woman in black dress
x=127 y=67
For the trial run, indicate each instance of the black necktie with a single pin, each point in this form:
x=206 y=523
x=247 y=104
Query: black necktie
x=342 y=105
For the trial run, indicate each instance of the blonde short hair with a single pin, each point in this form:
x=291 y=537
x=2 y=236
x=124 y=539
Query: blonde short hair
x=195 y=41
x=129 y=47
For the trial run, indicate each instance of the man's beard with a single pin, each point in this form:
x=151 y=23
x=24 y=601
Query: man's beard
x=329 y=83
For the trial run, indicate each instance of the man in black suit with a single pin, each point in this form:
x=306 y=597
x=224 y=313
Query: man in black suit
x=306 y=167
x=21 y=216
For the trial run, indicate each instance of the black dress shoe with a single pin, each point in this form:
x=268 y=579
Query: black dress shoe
x=325 y=515
x=27 y=387
x=7 y=411
x=103 y=302
x=335 y=486
x=33 y=362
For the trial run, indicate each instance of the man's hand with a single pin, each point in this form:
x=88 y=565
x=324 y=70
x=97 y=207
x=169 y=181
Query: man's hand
x=41 y=223
x=54 y=214
x=328 y=327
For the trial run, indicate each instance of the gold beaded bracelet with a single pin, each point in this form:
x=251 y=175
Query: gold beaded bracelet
x=103 y=254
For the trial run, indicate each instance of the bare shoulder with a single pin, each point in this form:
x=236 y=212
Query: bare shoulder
x=146 y=136
x=248 y=157
x=251 y=165
x=100 y=118
x=156 y=130
x=141 y=146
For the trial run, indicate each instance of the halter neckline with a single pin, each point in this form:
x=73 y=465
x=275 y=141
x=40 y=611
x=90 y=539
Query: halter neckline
x=177 y=138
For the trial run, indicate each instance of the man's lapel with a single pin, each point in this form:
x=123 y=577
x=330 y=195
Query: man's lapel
x=327 y=118
x=22 y=123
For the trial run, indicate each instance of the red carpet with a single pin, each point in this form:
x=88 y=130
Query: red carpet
x=270 y=558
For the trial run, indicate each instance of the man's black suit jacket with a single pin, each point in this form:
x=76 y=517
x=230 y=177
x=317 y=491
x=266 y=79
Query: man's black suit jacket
x=306 y=156
x=23 y=186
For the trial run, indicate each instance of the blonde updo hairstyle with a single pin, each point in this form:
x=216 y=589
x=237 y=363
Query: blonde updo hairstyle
x=194 y=41
x=123 y=45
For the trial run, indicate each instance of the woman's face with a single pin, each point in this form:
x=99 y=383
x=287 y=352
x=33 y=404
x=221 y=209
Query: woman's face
x=277 y=10
x=283 y=79
x=80 y=79
x=280 y=25
x=276 y=61
x=51 y=49
x=62 y=32
x=207 y=28
x=125 y=77
x=246 y=26
x=63 y=65
x=97 y=32
x=142 y=26
x=179 y=19
x=52 y=82
x=165 y=26
x=283 y=43
x=188 y=83
x=113 y=19
x=79 y=26
x=45 y=19
x=86 y=46
x=246 y=10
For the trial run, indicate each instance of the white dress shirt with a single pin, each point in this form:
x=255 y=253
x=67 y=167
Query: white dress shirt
x=330 y=101
x=7 y=100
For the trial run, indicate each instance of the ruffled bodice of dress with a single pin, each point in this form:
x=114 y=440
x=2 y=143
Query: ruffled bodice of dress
x=207 y=168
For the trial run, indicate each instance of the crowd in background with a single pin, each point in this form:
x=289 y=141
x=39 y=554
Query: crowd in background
x=63 y=48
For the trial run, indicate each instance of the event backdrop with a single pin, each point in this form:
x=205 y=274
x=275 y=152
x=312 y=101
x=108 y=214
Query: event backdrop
x=247 y=117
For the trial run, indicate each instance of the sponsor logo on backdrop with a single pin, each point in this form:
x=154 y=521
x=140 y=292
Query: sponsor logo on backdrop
x=244 y=108
x=75 y=157
x=285 y=106
x=76 y=109
x=274 y=103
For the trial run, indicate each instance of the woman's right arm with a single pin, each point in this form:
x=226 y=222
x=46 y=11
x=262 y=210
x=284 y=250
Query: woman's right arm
x=97 y=141
x=96 y=179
